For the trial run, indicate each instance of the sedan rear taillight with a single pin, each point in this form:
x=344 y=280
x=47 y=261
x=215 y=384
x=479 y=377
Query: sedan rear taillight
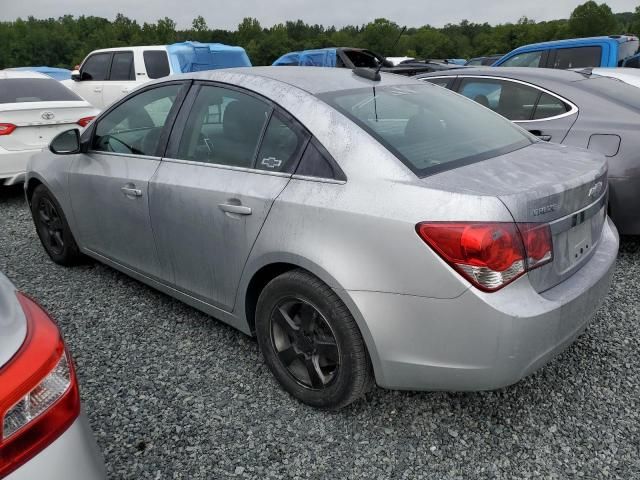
x=84 y=121
x=489 y=255
x=7 y=128
x=39 y=396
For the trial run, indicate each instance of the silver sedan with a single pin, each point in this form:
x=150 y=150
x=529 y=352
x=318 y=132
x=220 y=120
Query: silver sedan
x=366 y=230
x=43 y=433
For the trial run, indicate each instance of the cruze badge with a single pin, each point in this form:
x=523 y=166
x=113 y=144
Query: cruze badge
x=545 y=209
x=595 y=190
x=48 y=115
x=271 y=162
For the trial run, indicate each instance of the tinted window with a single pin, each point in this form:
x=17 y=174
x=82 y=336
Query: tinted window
x=362 y=58
x=135 y=125
x=96 y=67
x=122 y=66
x=549 y=106
x=223 y=127
x=280 y=147
x=578 y=57
x=19 y=90
x=430 y=129
x=156 y=63
x=528 y=59
x=512 y=100
x=474 y=62
x=316 y=163
x=632 y=62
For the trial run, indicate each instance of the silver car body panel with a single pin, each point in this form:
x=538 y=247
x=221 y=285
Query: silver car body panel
x=13 y=324
x=357 y=236
x=73 y=456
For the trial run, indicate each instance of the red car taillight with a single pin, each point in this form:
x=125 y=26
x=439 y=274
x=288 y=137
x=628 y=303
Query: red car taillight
x=84 y=121
x=7 y=128
x=39 y=396
x=489 y=255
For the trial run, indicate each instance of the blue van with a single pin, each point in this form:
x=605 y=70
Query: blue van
x=611 y=51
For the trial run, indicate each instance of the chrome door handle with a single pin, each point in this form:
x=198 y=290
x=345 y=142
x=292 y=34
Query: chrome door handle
x=237 y=209
x=131 y=192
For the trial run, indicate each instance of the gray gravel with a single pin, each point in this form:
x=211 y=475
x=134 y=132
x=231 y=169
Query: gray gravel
x=172 y=393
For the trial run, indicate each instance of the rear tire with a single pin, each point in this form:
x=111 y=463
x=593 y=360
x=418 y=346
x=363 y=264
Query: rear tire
x=53 y=229
x=311 y=343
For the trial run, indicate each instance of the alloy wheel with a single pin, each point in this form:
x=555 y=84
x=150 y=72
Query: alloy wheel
x=51 y=226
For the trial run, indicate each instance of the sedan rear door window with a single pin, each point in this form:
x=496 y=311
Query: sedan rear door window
x=281 y=145
x=512 y=100
x=223 y=127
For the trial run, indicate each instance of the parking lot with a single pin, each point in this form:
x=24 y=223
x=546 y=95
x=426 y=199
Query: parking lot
x=172 y=393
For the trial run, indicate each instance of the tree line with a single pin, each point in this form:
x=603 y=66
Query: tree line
x=65 y=41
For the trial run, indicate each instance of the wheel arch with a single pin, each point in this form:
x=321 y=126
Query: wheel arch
x=270 y=267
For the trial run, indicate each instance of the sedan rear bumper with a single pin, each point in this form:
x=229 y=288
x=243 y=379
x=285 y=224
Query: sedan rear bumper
x=481 y=341
x=73 y=456
x=13 y=165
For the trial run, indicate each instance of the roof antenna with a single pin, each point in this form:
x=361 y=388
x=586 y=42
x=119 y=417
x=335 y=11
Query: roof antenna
x=394 y=46
x=371 y=74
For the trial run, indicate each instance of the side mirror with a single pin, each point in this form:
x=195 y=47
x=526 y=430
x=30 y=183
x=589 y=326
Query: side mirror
x=75 y=75
x=66 y=143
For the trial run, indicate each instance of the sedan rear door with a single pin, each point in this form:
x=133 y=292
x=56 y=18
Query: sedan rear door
x=230 y=155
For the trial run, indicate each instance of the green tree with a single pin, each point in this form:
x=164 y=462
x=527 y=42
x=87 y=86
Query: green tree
x=591 y=19
x=634 y=27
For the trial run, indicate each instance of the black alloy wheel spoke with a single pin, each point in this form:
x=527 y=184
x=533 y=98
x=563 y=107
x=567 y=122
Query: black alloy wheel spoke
x=315 y=375
x=285 y=321
x=327 y=351
x=288 y=356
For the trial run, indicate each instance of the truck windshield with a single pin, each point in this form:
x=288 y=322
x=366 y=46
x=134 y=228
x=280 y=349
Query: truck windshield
x=428 y=128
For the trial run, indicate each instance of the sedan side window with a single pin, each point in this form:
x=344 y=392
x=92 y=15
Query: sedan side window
x=577 y=57
x=549 y=106
x=134 y=127
x=96 y=67
x=441 y=82
x=527 y=59
x=224 y=127
x=510 y=99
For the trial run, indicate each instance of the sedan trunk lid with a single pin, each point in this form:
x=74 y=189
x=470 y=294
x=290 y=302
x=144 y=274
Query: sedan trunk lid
x=544 y=183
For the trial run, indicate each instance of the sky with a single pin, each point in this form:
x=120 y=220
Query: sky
x=227 y=14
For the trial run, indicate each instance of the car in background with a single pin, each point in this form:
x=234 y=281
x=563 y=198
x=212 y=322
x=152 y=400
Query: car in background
x=610 y=51
x=43 y=431
x=108 y=74
x=53 y=72
x=346 y=57
x=398 y=60
x=571 y=108
x=627 y=75
x=483 y=61
x=364 y=230
x=34 y=108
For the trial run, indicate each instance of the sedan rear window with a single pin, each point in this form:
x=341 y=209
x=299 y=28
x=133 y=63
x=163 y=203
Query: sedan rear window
x=20 y=90
x=427 y=127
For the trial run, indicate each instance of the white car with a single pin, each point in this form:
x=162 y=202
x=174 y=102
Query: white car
x=627 y=75
x=34 y=108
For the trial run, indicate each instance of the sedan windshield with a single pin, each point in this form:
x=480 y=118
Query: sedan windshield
x=429 y=128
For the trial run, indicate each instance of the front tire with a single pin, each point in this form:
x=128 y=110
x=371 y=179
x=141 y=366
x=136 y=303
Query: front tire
x=311 y=343
x=53 y=229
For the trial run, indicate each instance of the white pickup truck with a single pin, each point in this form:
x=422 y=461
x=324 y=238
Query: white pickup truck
x=108 y=74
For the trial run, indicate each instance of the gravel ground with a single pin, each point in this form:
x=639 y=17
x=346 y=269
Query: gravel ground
x=172 y=393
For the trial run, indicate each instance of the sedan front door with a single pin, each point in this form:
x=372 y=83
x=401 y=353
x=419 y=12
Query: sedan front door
x=109 y=185
x=230 y=155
